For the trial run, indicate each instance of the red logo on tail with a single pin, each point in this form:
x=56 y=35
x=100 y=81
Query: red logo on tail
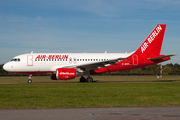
x=151 y=37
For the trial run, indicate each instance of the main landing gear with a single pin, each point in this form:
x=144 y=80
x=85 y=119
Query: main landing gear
x=83 y=79
x=30 y=78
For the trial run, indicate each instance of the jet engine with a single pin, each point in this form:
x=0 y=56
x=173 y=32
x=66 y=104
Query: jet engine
x=66 y=74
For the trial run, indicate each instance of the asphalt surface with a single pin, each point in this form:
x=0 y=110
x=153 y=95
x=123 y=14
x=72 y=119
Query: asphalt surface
x=126 y=113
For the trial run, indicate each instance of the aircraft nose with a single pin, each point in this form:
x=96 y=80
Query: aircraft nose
x=6 y=67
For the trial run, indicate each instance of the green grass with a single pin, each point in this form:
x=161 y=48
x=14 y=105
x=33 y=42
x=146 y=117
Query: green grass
x=70 y=95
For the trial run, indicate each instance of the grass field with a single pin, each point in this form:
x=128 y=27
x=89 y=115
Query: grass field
x=98 y=94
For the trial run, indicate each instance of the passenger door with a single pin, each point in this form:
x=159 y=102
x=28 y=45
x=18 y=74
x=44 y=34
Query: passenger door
x=29 y=60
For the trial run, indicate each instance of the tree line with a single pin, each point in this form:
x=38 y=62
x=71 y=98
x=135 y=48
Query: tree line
x=168 y=69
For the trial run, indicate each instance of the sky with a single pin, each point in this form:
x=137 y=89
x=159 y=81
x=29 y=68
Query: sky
x=91 y=26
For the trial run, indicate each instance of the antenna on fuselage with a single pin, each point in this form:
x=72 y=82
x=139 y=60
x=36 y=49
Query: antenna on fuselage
x=32 y=52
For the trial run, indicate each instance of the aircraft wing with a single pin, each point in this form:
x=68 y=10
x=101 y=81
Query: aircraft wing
x=158 y=58
x=95 y=65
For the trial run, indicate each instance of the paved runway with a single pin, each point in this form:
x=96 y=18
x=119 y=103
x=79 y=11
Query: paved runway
x=126 y=113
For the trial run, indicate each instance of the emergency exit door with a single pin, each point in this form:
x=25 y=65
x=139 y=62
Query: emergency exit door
x=135 y=59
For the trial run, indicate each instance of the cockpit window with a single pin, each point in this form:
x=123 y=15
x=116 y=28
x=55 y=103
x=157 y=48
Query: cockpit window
x=16 y=59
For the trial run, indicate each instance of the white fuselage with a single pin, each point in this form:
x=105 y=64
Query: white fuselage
x=49 y=62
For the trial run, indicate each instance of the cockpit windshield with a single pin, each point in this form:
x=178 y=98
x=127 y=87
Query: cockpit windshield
x=16 y=59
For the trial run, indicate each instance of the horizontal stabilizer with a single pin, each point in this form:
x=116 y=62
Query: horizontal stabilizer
x=158 y=58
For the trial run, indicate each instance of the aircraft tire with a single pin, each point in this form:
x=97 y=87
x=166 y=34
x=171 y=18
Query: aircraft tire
x=89 y=79
x=29 y=81
x=82 y=79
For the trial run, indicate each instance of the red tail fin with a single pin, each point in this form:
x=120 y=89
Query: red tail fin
x=152 y=44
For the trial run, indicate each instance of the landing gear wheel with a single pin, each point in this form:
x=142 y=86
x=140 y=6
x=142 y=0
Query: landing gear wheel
x=82 y=79
x=30 y=78
x=29 y=81
x=89 y=79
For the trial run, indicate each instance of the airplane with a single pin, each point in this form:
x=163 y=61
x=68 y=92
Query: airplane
x=66 y=66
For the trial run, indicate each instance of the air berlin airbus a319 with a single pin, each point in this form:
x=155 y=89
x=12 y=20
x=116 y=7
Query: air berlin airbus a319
x=66 y=66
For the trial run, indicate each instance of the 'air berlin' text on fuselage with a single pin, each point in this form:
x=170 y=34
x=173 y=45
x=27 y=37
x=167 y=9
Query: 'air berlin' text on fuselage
x=52 y=57
x=150 y=39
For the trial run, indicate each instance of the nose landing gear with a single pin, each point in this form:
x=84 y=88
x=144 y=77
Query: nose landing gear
x=30 y=78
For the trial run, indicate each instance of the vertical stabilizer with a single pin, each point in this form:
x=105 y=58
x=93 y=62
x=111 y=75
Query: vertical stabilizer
x=152 y=44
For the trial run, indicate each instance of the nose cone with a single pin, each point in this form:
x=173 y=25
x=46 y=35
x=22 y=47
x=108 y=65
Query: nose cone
x=6 y=67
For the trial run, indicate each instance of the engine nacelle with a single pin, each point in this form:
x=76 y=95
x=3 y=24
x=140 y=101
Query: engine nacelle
x=66 y=74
